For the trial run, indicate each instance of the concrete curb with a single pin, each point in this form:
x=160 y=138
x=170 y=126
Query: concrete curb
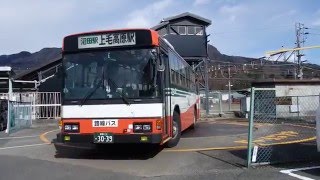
x=44 y=123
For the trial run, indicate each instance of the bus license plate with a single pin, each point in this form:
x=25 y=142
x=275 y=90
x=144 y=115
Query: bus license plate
x=102 y=138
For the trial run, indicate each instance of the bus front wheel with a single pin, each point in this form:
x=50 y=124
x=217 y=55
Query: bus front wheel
x=176 y=130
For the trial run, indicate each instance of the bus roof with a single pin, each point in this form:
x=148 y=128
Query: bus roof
x=109 y=31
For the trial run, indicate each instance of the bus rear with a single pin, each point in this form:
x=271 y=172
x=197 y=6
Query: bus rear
x=112 y=89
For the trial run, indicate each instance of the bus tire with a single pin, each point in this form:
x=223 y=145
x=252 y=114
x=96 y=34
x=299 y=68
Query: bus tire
x=176 y=128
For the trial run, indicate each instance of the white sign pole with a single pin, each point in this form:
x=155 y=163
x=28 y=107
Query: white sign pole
x=255 y=153
x=8 y=106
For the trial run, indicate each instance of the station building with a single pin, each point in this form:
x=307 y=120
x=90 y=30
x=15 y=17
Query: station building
x=284 y=98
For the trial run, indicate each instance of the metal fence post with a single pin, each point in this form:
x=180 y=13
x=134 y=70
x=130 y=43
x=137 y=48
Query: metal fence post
x=8 y=117
x=206 y=86
x=250 y=129
x=220 y=103
x=298 y=108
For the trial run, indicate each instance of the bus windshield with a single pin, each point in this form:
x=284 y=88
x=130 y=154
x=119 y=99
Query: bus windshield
x=111 y=74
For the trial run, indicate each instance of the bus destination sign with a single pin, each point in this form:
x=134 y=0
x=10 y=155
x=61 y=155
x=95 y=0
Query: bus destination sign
x=107 y=40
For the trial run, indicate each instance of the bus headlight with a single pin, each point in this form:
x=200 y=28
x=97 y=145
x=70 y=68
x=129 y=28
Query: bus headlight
x=71 y=127
x=67 y=127
x=75 y=127
x=137 y=127
x=142 y=127
x=147 y=127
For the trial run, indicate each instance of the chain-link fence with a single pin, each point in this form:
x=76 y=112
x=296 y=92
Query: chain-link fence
x=27 y=107
x=222 y=102
x=18 y=114
x=282 y=126
x=45 y=105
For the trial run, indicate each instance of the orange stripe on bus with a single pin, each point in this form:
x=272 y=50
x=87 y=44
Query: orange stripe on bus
x=123 y=124
x=155 y=38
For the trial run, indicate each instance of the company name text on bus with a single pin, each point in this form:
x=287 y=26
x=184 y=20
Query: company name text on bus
x=107 y=40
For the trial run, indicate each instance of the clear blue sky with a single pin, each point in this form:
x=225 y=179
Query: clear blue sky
x=240 y=27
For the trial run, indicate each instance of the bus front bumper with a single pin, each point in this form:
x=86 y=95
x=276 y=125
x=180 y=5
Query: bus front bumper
x=78 y=139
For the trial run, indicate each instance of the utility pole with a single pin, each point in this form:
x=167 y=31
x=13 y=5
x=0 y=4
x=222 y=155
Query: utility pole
x=205 y=60
x=229 y=85
x=300 y=40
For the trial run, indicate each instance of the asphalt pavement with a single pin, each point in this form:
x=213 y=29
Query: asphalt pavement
x=26 y=155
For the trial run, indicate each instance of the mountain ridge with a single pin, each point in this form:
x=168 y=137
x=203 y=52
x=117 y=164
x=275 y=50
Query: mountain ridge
x=243 y=70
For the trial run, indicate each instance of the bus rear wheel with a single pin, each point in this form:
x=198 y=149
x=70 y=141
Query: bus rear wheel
x=176 y=130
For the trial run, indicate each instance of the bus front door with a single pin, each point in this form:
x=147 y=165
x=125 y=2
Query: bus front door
x=166 y=99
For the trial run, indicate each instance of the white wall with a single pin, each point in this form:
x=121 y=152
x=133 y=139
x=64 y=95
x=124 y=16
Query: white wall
x=304 y=105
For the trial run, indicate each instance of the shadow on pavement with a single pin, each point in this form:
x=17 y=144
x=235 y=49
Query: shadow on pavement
x=281 y=156
x=226 y=157
x=207 y=129
x=294 y=156
x=302 y=152
x=236 y=158
x=312 y=172
x=110 y=152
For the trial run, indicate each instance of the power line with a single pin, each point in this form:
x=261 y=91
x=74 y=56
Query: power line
x=314 y=34
x=314 y=28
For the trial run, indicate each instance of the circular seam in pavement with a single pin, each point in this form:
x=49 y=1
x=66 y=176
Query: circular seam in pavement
x=44 y=139
x=215 y=129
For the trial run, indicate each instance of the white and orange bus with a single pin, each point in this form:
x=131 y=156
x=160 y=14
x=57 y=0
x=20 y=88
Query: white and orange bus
x=125 y=86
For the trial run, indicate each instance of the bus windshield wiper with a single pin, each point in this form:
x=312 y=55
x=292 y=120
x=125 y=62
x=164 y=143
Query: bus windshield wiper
x=91 y=92
x=121 y=94
x=94 y=89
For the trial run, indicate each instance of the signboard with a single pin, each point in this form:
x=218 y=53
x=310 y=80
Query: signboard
x=107 y=40
x=283 y=101
x=105 y=123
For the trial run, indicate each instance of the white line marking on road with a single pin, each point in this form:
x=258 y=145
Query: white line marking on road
x=28 y=145
x=290 y=172
x=18 y=137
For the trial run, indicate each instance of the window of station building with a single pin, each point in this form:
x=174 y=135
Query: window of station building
x=191 y=30
x=198 y=30
x=174 y=30
x=186 y=30
x=182 y=30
